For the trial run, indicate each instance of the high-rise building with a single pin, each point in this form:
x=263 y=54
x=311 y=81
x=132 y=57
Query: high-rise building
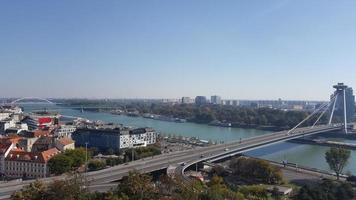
x=342 y=89
x=201 y=100
x=215 y=99
x=186 y=100
x=235 y=103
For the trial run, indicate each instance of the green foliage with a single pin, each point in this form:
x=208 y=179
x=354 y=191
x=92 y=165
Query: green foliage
x=78 y=156
x=238 y=116
x=218 y=190
x=257 y=170
x=136 y=186
x=69 y=189
x=254 y=192
x=193 y=190
x=141 y=152
x=33 y=191
x=67 y=161
x=96 y=165
x=113 y=161
x=60 y=164
x=327 y=190
x=337 y=159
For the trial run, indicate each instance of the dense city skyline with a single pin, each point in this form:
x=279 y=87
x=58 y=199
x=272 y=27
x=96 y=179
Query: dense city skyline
x=169 y=49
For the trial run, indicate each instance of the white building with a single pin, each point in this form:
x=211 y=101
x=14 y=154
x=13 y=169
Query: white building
x=187 y=100
x=215 y=99
x=15 y=125
x=65 y=143
x=140 y=137
x=65 y=131
x=19 y=163
x=5 y=115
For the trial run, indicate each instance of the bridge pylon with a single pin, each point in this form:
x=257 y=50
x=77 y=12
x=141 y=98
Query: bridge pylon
x=340 y=94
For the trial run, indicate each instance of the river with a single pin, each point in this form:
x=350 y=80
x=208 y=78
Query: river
x=302 y=154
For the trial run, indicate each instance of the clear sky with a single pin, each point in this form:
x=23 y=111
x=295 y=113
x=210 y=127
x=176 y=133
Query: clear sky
x=242 y=49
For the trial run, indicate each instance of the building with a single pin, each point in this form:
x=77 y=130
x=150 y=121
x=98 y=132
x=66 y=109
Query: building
x=339 y=104
x=200 y=100
x=12 y=126
x=235 y=103
x=22 y=164
x=27 y=143
x=103 y=139
x=187 y=100
x=65 y=131
x=228 y=102
x=5 y=115
x=64 y=143
x=43 y=144
x=116 y=139
x=215 y=99
x=140 y=137
x=5 y=149
x=41 y=119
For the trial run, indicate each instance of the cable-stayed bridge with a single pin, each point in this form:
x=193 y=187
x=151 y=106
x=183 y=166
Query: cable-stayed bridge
x=210 y=153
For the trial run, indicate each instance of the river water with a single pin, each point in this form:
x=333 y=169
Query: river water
x=302 y=154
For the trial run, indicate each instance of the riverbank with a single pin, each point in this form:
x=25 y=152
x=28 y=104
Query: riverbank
x=183 y=120
x=303 y=154
x=331 y=139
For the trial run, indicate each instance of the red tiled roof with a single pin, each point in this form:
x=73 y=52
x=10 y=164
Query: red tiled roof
x=10 y=139
x=23 y=156
x=46 y=155
x=39 y=133
x=65 y=141
x=4 y=147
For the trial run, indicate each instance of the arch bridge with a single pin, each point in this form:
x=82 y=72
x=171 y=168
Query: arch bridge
x=32 y=98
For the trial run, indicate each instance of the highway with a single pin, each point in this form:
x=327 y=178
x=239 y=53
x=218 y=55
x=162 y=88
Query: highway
x=189 y=157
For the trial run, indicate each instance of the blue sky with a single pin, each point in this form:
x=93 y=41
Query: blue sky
x=171 y=48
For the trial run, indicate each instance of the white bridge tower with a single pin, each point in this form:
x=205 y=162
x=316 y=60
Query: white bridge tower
x=340 y=94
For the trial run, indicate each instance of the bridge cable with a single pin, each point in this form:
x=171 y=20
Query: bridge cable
x=308 y=117
x=322 y=114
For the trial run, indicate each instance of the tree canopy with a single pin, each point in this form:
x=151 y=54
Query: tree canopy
x=337 y=158
x=327 y=190
x=257 y=170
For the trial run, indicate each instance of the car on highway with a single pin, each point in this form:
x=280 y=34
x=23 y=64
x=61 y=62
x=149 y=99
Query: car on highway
x=226 y=149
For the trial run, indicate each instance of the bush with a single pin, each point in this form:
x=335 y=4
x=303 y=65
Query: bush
x=141 y=152
x=327 y=190
x=96 y=165
x=254 y=192
x=114 y=161
x=258 y=170
x=60 y=164
x=67 y=161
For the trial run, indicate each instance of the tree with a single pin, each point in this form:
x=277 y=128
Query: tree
x=68 y=189
x=96 y=165
x=218 y=190
x=78 y=156
x=33 y=191
x=136 y=186
x=327 y=190
x=337 y=158
x=254 y=192
x=257 y=170
x=60 y=164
